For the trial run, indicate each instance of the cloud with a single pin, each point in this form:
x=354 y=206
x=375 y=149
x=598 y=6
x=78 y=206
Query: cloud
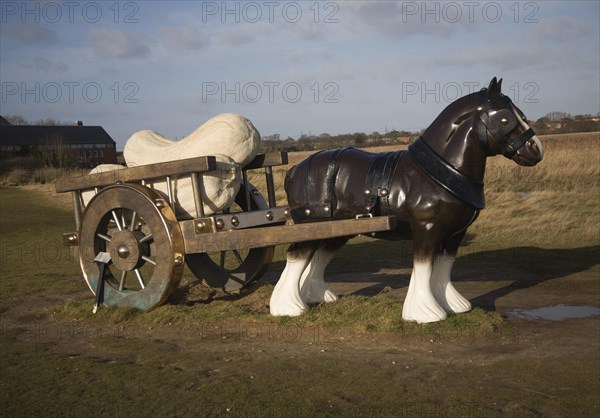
x=307 y=54
x=46 y=65
x=116 y=43
x=503 y=58
x=404 y=19
x=234 y=38
x=29 y=34
x=561 y=29
x=184 y=38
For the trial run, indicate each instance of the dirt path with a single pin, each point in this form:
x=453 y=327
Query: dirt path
x=534 y=368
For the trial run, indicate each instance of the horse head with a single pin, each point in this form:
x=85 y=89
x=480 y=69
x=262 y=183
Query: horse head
x=503 y=129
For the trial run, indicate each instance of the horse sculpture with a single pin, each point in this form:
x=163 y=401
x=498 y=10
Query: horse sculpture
x=435 y=191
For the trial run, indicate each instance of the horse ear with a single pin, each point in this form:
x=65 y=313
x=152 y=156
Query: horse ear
x=493 y=89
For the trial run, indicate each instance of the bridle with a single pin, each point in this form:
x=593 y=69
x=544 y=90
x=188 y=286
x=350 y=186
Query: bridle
x=499 y=125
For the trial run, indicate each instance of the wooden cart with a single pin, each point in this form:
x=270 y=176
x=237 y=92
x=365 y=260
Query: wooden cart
x=128 y=233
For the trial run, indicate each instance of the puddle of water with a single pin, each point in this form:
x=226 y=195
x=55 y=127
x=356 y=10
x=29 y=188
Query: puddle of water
x=556 y=313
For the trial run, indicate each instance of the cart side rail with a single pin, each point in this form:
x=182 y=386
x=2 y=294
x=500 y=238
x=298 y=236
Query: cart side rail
x=137 y=174
x=159 y=170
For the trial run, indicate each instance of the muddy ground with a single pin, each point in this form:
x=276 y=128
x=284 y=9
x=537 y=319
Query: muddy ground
x=70 y=367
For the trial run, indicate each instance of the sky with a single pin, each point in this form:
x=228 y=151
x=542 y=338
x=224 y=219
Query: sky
x=292 y=68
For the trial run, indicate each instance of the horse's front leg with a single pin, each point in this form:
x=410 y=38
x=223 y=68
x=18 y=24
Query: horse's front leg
x=441 y=286
x=286 y=299
x=420 y=304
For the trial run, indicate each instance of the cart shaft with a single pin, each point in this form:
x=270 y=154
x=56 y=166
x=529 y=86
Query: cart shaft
x=269 y=236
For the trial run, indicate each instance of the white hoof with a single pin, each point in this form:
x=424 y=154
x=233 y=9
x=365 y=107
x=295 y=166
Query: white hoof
x=283 y=309
x=313 y=288
x=421 y=306
x=329 y=296
x=443 y=290
x=455 y=302
x=423 y=312
x=316 y=292
x=286 y=299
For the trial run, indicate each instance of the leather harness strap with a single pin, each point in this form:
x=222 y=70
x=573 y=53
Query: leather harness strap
x=461 y=186
x=378 y=181
x=319 y=207
x=493 y=125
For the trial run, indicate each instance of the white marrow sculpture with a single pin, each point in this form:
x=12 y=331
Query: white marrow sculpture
x=231 y=138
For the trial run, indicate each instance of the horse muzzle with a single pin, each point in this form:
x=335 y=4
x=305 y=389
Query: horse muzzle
x=531 y=153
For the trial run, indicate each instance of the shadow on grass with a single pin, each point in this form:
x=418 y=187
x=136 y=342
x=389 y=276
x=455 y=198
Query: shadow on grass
x=526 y=267
x=534 y=265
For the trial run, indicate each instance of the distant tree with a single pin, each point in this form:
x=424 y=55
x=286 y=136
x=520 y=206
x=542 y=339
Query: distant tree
x=53 y=152
x=49 y=122
x=541 y=125
x=360 y=138
x=274 y=137
x=556 y=116
x=16 y=120
x=20 y=120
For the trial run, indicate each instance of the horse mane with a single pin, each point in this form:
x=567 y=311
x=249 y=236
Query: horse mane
x=458 y=112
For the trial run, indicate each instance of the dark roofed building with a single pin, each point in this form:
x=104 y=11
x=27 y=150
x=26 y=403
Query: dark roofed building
x=88 y=146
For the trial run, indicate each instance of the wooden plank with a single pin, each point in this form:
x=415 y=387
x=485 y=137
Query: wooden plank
x=136 y=174
x=268 y=236
x=271 y=159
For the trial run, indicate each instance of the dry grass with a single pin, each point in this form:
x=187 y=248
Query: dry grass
x=556 y=203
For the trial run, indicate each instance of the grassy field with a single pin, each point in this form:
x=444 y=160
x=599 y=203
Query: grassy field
x=203 y=354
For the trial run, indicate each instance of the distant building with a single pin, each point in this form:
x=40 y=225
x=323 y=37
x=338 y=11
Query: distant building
x=85 y=146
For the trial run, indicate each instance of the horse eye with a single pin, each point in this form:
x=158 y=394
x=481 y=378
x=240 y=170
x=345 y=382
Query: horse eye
x=504 y=121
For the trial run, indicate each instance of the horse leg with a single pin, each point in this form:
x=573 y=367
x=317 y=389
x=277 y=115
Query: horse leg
x=285 y=299
x=442 y=288
x=420 y=304
x=313 y=288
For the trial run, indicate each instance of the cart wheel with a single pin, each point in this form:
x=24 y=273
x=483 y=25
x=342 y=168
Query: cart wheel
x=233 y=270
x=139 y=230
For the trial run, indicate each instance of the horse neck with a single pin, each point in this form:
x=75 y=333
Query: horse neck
x=453 y=136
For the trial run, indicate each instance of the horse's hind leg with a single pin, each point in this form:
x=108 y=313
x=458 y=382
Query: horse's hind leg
x=313 y=288
x=286 y=299
x=441 y=285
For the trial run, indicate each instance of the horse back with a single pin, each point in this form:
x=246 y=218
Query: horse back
x=331 y=183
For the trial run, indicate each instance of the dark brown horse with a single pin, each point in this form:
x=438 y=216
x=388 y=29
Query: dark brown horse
x=435 y=190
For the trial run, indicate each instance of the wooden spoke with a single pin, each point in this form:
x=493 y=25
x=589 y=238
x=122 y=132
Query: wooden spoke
x=116 y=219
x=140 y=278
x=104 y=237
x=149 y=260
x=122 y=281
x=238 y=257
x=146 y=238
x=133 y=220
x=222 y=259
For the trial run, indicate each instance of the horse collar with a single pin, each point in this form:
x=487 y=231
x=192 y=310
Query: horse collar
x=465 y=188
